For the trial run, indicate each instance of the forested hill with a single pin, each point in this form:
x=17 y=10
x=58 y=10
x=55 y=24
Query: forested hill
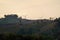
x=14 y=24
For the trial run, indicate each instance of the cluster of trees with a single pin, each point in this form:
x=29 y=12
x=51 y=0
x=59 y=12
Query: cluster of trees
x=34 y=29
x=26 y=37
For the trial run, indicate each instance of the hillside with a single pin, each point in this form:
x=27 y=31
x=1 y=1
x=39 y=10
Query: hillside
x=13 y=24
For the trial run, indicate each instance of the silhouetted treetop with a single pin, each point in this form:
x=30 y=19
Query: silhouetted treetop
x=10 y=15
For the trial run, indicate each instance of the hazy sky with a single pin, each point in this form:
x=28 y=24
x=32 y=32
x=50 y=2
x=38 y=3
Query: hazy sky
x=32 y=9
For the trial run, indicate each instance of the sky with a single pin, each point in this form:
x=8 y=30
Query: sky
x=30 y=9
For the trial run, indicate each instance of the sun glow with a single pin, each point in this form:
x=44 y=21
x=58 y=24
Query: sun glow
x=30 y=9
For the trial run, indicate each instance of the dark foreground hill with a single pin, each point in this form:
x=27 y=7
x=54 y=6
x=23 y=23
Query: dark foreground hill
x=46 y=28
